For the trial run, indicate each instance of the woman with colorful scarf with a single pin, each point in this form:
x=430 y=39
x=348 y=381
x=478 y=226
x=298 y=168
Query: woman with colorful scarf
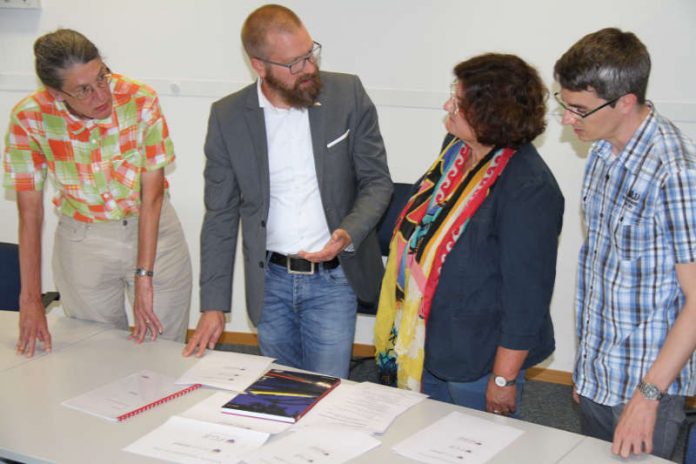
x=464 y=307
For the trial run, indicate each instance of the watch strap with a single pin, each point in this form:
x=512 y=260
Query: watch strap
x=502 y=381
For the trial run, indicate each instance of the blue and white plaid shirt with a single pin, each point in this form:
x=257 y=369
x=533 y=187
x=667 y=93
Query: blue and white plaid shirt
x=640 y=213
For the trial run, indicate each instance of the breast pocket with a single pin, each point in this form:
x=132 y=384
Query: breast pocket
x=343 y=138
x=633 y=240
x=125 y=167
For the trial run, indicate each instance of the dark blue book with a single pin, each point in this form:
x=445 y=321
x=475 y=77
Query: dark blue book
x=281 y=395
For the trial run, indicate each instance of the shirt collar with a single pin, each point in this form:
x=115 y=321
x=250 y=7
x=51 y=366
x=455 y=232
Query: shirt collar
x=265 y=103
x=631 y=156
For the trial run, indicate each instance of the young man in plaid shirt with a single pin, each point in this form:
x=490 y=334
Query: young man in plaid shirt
x=105 y=142
x=636 y=296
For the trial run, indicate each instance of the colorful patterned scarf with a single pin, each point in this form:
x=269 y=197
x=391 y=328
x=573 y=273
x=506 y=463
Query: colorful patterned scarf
x=426 y=230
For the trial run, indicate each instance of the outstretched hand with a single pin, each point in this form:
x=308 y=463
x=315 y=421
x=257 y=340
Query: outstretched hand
x=340 y=239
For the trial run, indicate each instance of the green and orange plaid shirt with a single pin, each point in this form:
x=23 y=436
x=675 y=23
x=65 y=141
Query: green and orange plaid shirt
x=95 y=164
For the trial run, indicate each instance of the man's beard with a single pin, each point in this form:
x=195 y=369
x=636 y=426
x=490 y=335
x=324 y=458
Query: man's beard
x=298 y=96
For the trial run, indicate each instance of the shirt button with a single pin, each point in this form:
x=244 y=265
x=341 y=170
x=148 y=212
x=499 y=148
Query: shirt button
x=261 y=264
x=263 y=224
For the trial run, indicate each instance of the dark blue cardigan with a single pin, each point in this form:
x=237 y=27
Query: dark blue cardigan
x=496 y=283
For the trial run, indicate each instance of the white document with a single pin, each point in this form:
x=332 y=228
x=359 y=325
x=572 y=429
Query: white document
x=189 y=441
x=316 y=445
x=128 y=396
x=226 y=370
x=366 y=406
x=458 y=438
x=210 y=410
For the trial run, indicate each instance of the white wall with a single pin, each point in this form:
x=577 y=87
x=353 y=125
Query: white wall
x=403 y=50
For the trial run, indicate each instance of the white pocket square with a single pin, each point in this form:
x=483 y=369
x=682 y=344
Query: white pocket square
x=338 y=140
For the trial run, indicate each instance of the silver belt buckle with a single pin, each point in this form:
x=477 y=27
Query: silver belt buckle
x=293 y=271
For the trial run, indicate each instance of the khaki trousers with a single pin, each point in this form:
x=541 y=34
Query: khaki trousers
x=94 y=265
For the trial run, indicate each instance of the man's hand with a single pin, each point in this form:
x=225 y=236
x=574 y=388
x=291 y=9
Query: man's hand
x=208 y=331
x=634 y=432
x=143 y=313
x=32 y=326
x=340 y=239
x=500 y=400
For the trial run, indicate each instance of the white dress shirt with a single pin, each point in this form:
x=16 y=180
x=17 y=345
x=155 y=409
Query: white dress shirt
x=296 y=219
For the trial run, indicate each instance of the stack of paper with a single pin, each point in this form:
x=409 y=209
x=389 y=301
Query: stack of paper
x=226 y=370
x=365 y=406
x=316 y=445
x=189 y=441
x=458 y=438
x=129 y=396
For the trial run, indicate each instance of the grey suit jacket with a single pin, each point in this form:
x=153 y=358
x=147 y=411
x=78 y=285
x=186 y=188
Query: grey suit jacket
x=353 y=180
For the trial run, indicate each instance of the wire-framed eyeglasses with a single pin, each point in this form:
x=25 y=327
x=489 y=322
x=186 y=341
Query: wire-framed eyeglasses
x=85 y=92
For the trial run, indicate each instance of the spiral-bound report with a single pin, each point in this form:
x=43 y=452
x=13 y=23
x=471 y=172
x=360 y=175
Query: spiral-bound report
x=129 y=396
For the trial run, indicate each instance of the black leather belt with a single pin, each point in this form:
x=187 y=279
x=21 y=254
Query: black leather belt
x=299 y=265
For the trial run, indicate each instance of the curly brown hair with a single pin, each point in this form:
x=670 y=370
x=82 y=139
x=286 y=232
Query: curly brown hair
x=504 y=100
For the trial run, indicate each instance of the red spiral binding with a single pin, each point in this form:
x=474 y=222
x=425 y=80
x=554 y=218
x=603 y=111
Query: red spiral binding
x=186 y=390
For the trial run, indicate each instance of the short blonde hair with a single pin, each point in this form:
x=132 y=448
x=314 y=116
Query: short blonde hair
x=262 y=21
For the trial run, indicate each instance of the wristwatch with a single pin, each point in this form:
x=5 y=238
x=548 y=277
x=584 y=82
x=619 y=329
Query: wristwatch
x=140 y=272
x=650 y=391
x=503 y=382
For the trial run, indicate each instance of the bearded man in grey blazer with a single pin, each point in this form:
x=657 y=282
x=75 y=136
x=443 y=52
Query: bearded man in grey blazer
x=299 y=159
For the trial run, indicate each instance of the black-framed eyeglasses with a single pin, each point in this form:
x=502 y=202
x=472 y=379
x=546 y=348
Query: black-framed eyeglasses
x=87 y=91
x=582 y=114
x=298 y=65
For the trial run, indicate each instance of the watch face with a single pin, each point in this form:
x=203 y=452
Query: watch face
x=650 y=391
x=500 y=381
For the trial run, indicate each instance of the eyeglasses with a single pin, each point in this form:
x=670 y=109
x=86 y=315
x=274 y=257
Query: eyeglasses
x=582 y=114
x=453 y=98
x=298 y=65
x=85 y=92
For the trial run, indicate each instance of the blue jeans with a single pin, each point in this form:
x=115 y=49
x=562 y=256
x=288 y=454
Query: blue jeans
x=308 y=321
x=600 y=421
x=468 y=394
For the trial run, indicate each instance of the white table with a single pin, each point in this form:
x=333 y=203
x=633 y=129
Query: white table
x=64 y=332
x=35 y=428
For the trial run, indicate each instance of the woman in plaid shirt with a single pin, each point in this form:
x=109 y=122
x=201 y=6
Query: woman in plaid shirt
x=105 y=142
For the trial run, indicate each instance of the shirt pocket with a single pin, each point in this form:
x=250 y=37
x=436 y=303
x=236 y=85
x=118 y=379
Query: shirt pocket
x=633 y=240
x=125 y=168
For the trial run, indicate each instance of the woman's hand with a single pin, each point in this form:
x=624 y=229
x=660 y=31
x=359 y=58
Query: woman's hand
x=500 y=400
x=143 y=313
